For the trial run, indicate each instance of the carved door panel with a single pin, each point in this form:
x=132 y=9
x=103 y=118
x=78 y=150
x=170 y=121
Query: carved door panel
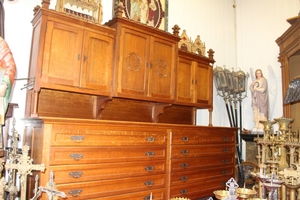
x=162 y=64
x=133 y=63
x=203 y=84
x=96 y=70
x=62 y=54
x=184 y=87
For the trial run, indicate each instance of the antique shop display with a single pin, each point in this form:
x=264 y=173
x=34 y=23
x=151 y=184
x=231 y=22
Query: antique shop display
x=112 y=111
x=278 y=161
x=234 y=192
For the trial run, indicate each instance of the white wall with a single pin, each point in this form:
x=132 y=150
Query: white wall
x=248 y=42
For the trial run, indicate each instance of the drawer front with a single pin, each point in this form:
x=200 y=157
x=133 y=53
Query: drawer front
x=195 y=189
x=68 y=155
x=81 y=173
x=187 y=177
x=185 y=151
x=90 y=190
x=158 y=194
x=200 y=137
x=201 y=162
x=75 y=135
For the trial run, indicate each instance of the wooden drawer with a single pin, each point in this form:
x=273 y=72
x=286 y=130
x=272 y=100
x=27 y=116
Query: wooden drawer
x=81 y=173
x=187 y=177
x=92 y=135
x=85 y=155
x=90 y=190
x=185 y=151
x=193 y=136
x=194 y=190
x=158 y=194
x=202 y=162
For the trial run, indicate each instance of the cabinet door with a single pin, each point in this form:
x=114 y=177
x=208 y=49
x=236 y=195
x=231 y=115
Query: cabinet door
x=162 y=64
x=62 y=54
x=133 y=62
x=203 y=83
x=184 y=90
x=96 y=71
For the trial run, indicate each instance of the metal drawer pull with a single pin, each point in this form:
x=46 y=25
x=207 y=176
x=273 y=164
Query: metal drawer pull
x=184 y=165
x=149 y=168
x=224 y=161
x=77 y=138
x=75 y=193
x=225 y=149
x=150 y=139
x=76 y=156
x=149 y=183
x=183 y=191
x=224 y=172
x=150 y=154
x=185 y=152
x=225 y=138
x=148 y=197
x=76 y=174
x=185 y=139
x=184 y=178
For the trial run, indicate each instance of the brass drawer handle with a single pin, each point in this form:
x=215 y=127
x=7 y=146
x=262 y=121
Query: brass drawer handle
x=149 y=183
x=224 y=172
x=183 y=191
x=148 y=197
x=76 y=156
x=184 y=178
x=184 y=165
x=185 y=152
x=77 y=138
x=224 y=161
x=75 y=193
x=150 y=139
x=185 y=139
x=76 y=174
x=150 y=154
x=225 y=149
x=225 y=138
x=149 y=168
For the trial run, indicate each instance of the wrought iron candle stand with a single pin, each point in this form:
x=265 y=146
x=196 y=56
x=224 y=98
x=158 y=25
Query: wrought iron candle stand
x=280 y=170
x=231 y=86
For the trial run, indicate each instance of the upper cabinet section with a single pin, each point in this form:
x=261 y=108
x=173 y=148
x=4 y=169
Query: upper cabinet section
x=71 y=55
x=145 y=62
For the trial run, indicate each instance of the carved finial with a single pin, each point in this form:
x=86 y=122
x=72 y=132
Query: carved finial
x=119 y=9
x=36 y=8
x=176 y=30
x=45 y=4
x=211 y=54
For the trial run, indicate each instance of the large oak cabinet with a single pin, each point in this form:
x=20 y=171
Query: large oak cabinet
x=112 y=108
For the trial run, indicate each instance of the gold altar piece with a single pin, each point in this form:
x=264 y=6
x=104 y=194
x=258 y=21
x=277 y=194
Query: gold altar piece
x=221 y=194
x=245 y=193
x=180 y=198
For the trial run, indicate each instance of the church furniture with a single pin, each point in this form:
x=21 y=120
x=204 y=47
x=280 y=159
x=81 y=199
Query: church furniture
x=289 y=58
x=112 y=112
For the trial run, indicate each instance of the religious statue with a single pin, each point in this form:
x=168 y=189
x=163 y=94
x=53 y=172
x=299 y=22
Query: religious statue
x=260 y=100
x=144 y=11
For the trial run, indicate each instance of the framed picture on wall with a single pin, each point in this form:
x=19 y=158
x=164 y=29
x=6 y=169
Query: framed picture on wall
x=150 y=12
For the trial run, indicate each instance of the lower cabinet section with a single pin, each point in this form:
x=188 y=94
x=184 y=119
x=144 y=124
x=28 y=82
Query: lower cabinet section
x=111 y=160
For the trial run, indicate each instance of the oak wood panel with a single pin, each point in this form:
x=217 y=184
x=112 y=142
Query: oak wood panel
x=188 y=151
x=204 y=136
x=193 y=190
x=79 y=135
x=202 y=162
x=75 y=155
x=186 y=177
x=157 y=194
x=105 y=188
x=93 y=172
